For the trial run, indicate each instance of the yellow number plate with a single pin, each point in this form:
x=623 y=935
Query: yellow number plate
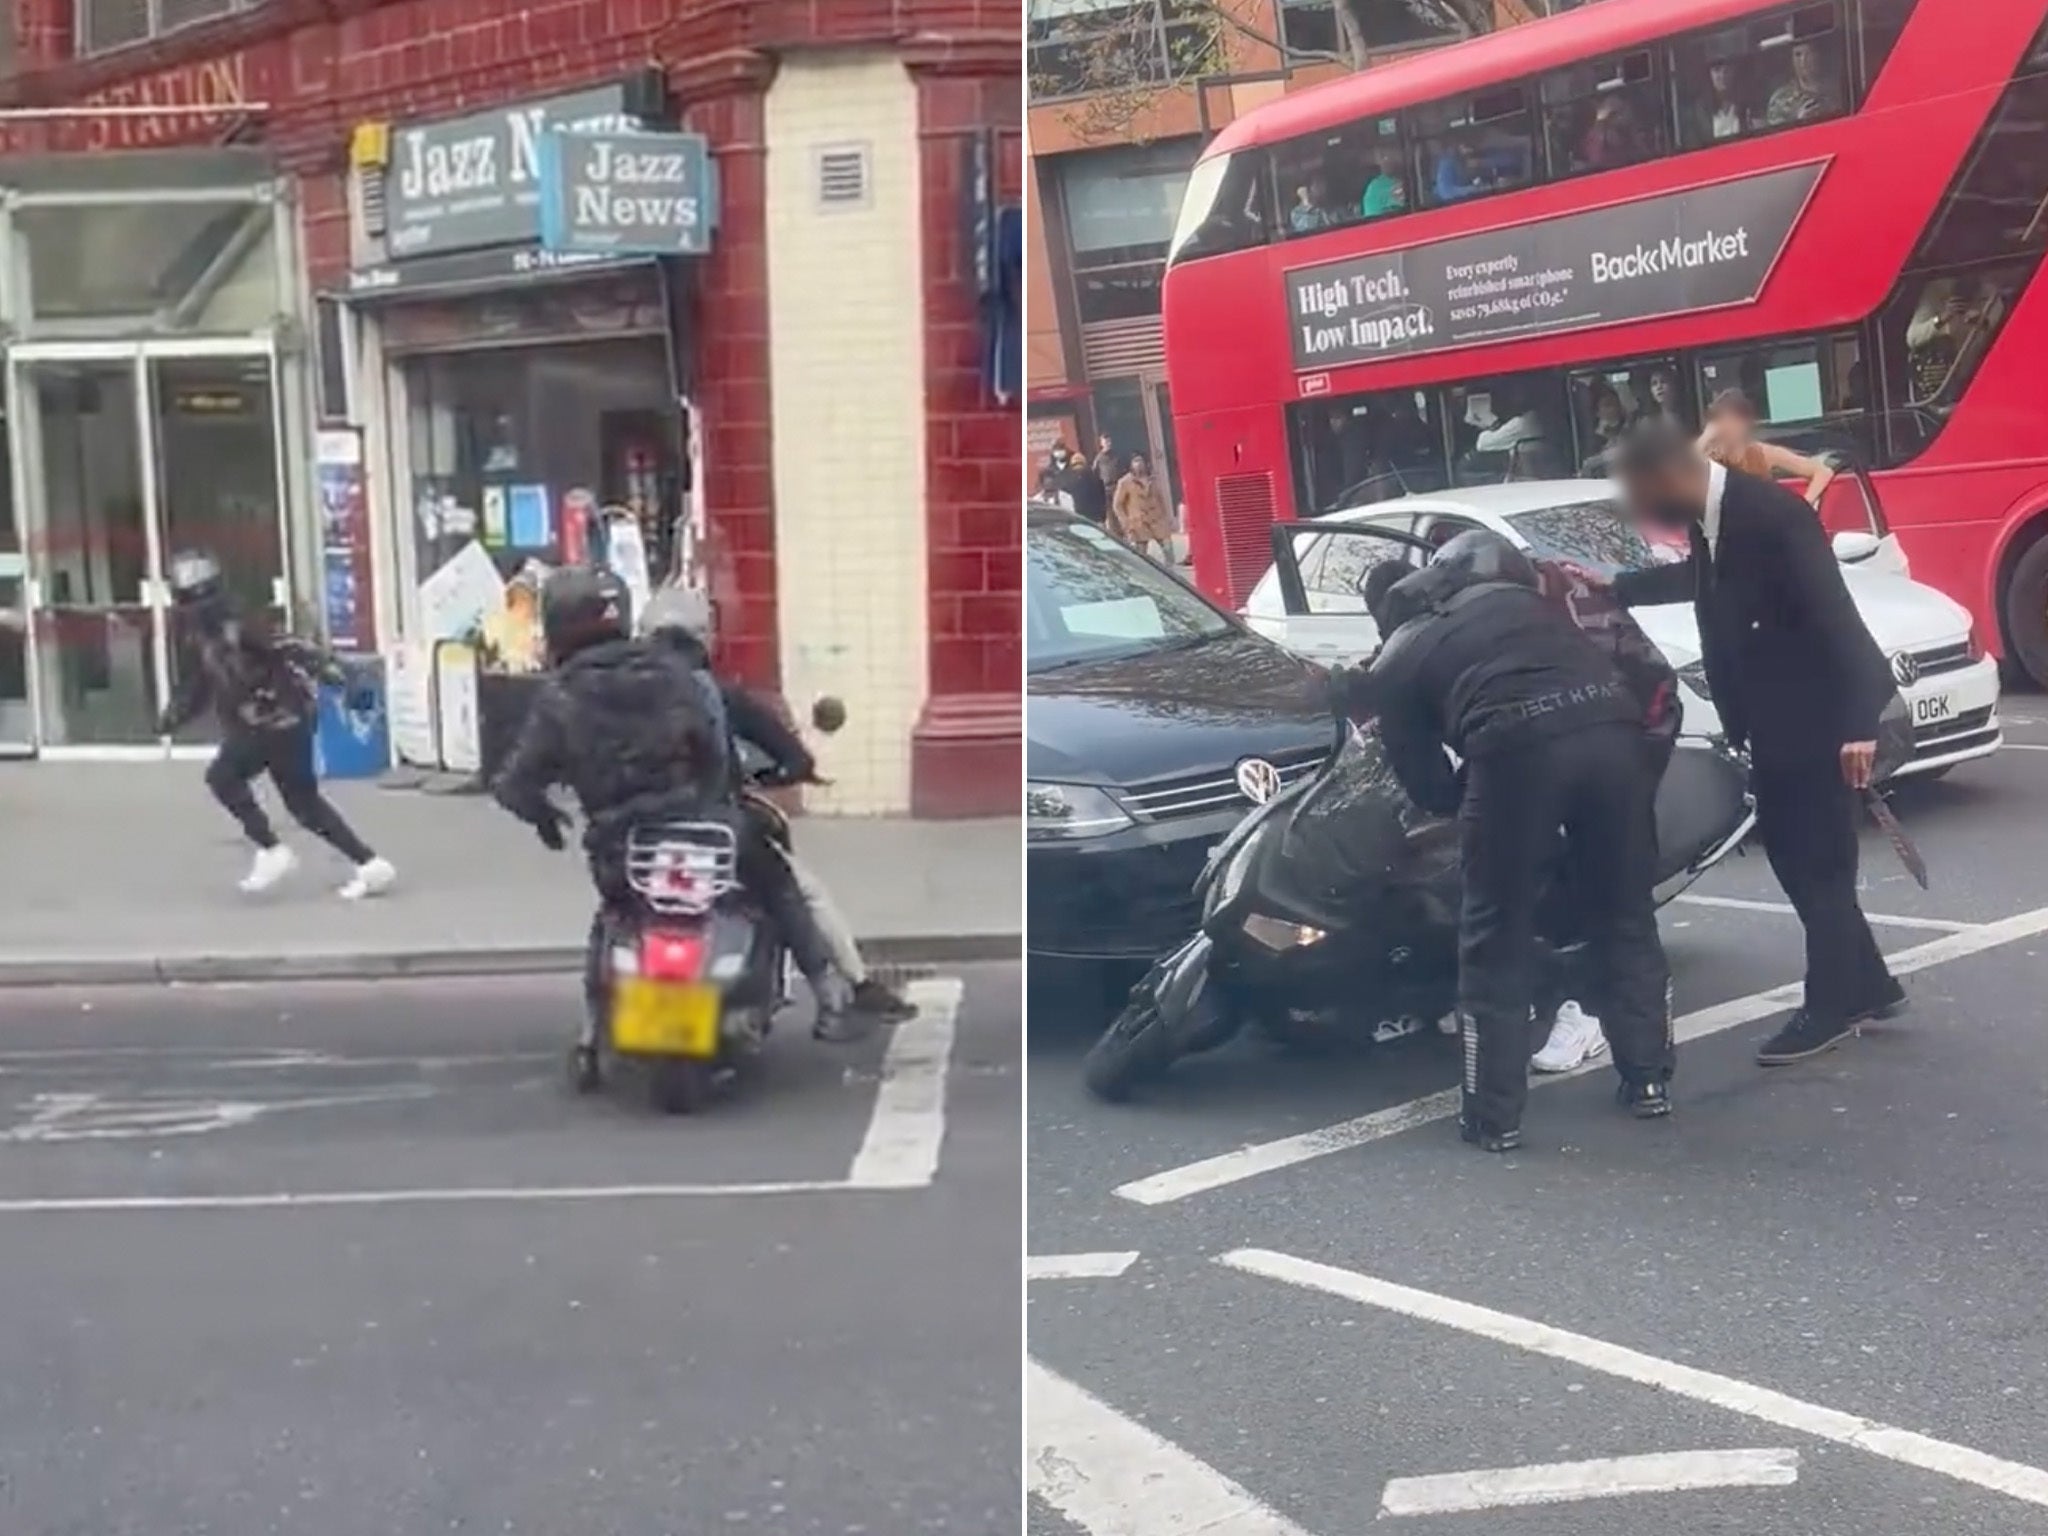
x=657 y=1018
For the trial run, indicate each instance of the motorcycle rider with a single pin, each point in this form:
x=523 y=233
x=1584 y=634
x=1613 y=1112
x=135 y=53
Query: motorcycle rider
x=683 y=618
x=1476 y=659
x=264 y=689
x=630 y=729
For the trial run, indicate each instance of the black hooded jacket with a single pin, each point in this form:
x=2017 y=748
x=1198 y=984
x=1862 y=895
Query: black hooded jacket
x=627 y=727
x=254 y=680
x=748 y=717
x=1479 y=661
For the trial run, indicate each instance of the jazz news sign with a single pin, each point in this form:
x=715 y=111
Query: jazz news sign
x=626 y=194
x=1700 y=249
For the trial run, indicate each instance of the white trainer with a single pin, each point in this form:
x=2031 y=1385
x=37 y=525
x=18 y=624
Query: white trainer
x=1575 y=1039
x=270 y=865
x=371 y=879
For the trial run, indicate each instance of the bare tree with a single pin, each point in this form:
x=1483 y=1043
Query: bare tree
x=1111 y=60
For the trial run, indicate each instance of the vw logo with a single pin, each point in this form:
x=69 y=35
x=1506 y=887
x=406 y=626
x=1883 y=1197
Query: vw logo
x=1257 y=780
x=1905 y=669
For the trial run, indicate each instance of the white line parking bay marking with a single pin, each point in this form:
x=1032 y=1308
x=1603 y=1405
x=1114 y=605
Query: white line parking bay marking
x=1464 y=1493
x=2013 y=1479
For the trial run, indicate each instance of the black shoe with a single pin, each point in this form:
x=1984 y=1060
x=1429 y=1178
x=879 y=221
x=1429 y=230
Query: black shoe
x=1804 y=1036
x=1490 y=1140
x=838 y=1022
x=882 y=1002
x=1891 y=1001
x=1646 y=1101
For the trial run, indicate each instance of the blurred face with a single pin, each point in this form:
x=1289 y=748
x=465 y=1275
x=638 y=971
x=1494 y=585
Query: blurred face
x=1138 y=465
x=1608 y=411
x=1660 y=388
x=1734 y=421
x=1667 y=499
x=1805 y=63
x=1718 y=78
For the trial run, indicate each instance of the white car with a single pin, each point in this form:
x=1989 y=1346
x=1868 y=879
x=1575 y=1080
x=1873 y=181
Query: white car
x=1310 y=600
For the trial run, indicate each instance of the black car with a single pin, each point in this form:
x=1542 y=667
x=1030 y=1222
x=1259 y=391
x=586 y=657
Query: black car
x=1151 y=713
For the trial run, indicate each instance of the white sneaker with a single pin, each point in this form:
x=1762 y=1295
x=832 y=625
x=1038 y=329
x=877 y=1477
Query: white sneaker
x=1574 y=1040
x=371 y=879
x=270 y=866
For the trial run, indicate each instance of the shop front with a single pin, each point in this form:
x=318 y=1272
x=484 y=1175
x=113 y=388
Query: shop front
x=521 y=406
x=154 y=402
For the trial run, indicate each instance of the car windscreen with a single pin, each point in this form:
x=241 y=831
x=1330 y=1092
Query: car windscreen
x=1595 y=534
x=1090 y=597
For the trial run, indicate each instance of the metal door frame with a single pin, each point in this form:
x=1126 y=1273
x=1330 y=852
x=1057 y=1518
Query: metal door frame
x=31 y=519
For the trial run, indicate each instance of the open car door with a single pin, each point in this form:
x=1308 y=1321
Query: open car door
x=1320 y=568
x=1853 y=515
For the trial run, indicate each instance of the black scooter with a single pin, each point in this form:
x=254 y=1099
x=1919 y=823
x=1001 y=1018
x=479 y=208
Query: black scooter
x=1335 y=905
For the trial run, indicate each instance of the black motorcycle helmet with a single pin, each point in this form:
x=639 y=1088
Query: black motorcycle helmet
x=198 y=588
x=581 y=607
x=1483 y=555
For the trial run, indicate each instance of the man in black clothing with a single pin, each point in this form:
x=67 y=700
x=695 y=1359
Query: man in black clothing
x=633 y=731
x=1799 y=681
x=264 y=690
x=1477 y=660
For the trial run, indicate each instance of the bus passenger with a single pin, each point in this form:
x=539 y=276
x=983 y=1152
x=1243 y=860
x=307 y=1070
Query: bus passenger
x=1730 y=441
x=1387 y=192
x=1311 y=210
x=1807 y=95
x=1721 y=114
x=1458 y=172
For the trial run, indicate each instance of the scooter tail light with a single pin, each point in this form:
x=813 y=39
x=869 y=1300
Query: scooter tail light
x=672 y=955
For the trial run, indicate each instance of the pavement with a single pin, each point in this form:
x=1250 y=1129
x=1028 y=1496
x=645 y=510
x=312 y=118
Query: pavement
x=127 y=872
x=328 y=1258
x=1276 y=1296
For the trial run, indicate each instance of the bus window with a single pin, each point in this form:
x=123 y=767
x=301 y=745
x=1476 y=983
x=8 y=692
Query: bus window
x=1774 y=73
x=1355 y=172
x=1515 y=427
x=1474 y=145
x=1934 y=334
x=1878 y=25
x=1604 y=403
x=1809 y=395
x=1371 y=447
x=1603 y=114
x=1228 y=206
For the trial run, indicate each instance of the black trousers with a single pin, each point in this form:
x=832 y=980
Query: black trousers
x=1599 y=786
x=287 y=756
x=1807 y=818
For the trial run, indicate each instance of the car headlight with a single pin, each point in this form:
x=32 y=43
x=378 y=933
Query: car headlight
x=1065 y=811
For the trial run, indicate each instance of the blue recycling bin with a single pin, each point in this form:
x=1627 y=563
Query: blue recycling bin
x=354 y=742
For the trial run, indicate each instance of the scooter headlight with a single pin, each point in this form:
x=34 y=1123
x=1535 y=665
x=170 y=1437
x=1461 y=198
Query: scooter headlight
x=1279 y=935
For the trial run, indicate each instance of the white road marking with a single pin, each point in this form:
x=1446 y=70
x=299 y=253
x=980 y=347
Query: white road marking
x=901 y=1148
x=2025 y=746
x=1786 y=909
x=486 y=1195
x=1114 y=1477
x=1564 y=1482
x=56 y=1117
x=1265 y=1157
x=2015 y=1480
x=1077 y=1266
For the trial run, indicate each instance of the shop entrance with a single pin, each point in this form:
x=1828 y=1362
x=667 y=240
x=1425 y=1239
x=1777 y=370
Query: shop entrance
x=123 y=454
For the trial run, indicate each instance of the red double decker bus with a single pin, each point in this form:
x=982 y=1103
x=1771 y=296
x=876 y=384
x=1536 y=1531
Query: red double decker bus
x=1479 y=263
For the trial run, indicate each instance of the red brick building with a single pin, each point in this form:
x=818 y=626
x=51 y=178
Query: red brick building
x=850 y=471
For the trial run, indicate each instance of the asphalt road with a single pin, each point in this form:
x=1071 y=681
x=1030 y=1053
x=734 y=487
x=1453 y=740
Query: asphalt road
x=491 y=1306
x=1277 y=1338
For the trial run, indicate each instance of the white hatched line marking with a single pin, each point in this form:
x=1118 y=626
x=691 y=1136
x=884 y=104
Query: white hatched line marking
x=2015 y=1480
x=1565 y=1482
x=901 y=1148
x=1265 y=1157
x=1077 y=1266
x=1112 y=1476
x=1786 y=909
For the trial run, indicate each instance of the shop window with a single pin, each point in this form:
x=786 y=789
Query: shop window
x=1359 y=171
x=175 y=266
x=1607 y=400
x=1810 y=394
x=1774 y=72
x=1604 y=114
x=508 y=446
x=1228 y=206
x=1474 y=145
x=1514 y=427
x=1368 y=448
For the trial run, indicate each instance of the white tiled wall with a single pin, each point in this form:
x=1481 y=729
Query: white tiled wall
x=846 y=338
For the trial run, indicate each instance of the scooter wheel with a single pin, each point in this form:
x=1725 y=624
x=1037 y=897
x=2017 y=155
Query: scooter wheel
x=1136 y=1048
x=681 y=1087
x=585 y=1074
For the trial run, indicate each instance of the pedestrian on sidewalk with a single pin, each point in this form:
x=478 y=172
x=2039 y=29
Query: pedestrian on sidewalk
x=264 y=688
x=1797 y=679
x=1139 y=515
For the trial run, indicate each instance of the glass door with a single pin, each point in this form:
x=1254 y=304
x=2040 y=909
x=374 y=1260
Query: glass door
x=17 y=703
x=93 y=555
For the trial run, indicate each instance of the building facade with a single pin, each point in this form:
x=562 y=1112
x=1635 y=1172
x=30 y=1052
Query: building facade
x=1118 y=117
x=276 y=283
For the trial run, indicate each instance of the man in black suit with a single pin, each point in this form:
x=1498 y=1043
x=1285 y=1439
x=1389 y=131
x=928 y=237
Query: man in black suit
x=1798 y=680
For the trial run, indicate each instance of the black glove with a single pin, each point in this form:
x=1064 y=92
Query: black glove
x=550 y=832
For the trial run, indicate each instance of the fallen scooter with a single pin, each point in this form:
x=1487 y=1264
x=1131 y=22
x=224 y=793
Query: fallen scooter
x=1334 y=905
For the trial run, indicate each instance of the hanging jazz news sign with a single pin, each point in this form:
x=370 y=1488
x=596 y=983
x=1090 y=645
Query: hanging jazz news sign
x=1704 y=248
x=619 y=194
